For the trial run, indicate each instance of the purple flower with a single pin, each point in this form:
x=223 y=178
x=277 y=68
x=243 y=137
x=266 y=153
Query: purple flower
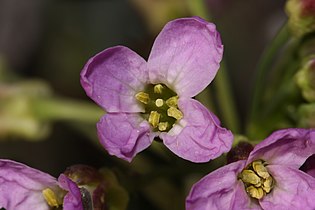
x=269 y=179
x=22 y=187
x=154 y=98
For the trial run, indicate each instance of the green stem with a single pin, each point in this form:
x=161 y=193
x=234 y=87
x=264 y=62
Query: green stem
x=225 y=100
x=65 y=109
x=264 y=67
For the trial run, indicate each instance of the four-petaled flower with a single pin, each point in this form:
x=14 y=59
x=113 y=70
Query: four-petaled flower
x=22 y=187
x=269 y=179
x=154 y=98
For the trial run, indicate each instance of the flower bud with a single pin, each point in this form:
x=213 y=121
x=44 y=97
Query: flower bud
x=239 y=152
x=306 y=79
x=306 y=115
x=16 y=111
x=99 y=189
x=301 y=16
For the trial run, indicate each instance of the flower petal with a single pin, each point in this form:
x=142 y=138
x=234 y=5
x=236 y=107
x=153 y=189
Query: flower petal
x=21 y=186
x=197 y=137
x=124 y=135
x=72 y=200
x=113 y=77
x=186 y=55
x=294 y=189
x=290 y=147
x=220 y=190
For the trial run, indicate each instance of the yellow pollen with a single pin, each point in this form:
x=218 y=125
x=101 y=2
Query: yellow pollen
x=154 y=118
x=163 y=126
x=143 y=97
x=267 y=185
x=257 y=180
x=172 y=101
x=249 y=176
x=159 y=102
x=50 y=197
x=260 y=169
x=255 y=192
x=173 y=112
x=158 y=88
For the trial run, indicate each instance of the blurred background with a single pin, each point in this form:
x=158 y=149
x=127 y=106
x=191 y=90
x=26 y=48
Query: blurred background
x=50 y=41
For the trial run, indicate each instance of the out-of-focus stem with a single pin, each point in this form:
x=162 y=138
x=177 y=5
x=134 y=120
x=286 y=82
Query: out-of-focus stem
x=226 y=101
x=65 y=109
x=264 y=66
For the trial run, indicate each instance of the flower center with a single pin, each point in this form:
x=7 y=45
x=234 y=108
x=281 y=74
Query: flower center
x=257 y=180
x=160 y=104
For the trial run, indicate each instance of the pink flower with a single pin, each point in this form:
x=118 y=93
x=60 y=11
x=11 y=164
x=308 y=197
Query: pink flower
x=22 y=187
x=269 y=179
x=146 y=99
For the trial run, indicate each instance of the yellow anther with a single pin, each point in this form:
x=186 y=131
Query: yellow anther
x=250 y=177
x=143 y=97
x=158 y=88
x=172 y=101
x=173 y=112
x=163 y=126
x=154 y=118
x=159 y=102
x=50 y=197
x=260 y=169
x=255 y=192
x=268 y=184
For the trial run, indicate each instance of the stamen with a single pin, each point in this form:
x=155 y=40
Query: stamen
x=154 y=118
x=249 y=176
x=158 y=88
x=163 y=126
x=255 y=192
x=143 y=97
x=257 y=180
x=50 y=197
x=260 y=169
x=159 y=102
x=267 y=185
x=172 y=101
x=173 y=112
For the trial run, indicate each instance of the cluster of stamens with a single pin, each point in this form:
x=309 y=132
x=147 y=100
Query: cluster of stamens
x=160 y=105
x=257 y=180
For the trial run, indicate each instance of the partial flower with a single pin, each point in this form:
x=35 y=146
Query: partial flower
x=22 y=187
x=269 y=179
x=144 y=100
x=80 y=187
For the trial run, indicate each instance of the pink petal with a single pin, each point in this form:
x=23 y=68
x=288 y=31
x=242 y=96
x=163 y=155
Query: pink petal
x=290 y=147
x=72 y=200
x=186 y=55
x=21 y=186
x=197 y=137
x=220 y=190
x=294 y=189
x=113 y=77
x=124 y=135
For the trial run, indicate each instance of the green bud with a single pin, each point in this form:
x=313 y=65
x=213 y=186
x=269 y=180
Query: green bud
x=305 y=79
x=306 y=115
x=301 y=15
x=16 y=112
